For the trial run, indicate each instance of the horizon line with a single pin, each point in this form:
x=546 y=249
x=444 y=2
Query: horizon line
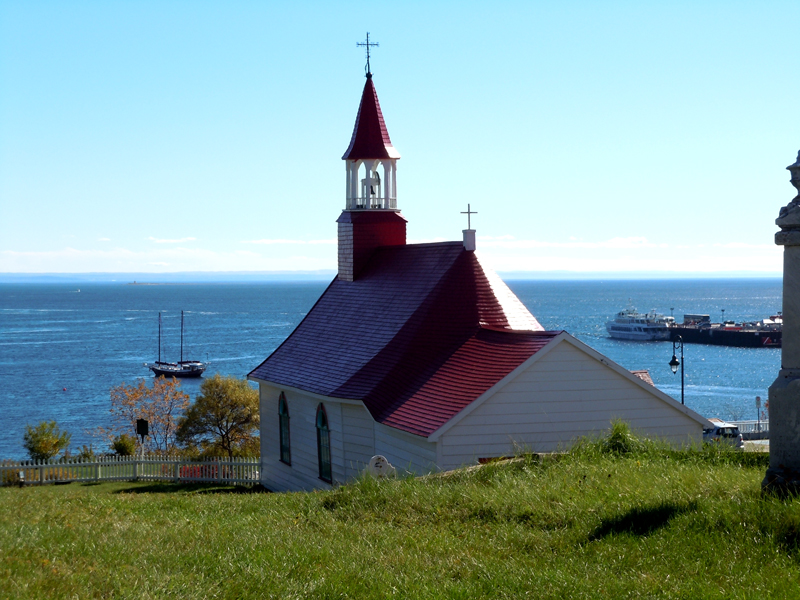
x=326 y=274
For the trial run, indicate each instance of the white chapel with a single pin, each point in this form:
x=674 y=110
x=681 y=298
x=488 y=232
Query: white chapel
x=420 y=353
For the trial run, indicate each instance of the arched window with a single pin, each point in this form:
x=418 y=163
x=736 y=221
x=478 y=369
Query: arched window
x=323 y=445
x=283 y=418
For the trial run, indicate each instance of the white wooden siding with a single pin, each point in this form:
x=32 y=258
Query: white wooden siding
x=558 y=398
x=303 y=473
x=409 y=454
x=355 y=439
x=359 y=439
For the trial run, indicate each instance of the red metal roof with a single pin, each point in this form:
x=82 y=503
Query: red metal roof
x=476 y=365
x=417 y=337
x=370 y=136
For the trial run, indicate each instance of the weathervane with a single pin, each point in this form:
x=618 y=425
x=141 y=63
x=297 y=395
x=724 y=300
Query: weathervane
x=367 y=45
x=469 y=212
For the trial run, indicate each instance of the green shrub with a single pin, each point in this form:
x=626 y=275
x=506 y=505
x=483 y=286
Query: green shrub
x=86 y=453
x=621 y=440
x=124 y=445
x=45 y=441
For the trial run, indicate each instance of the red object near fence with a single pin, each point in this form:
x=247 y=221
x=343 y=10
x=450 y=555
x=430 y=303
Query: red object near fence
x=199 y=472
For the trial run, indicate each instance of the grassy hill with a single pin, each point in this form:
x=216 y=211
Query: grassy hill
x=611 y=519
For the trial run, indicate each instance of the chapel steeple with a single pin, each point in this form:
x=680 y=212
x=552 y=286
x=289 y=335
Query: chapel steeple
x=371 y=148
x=370 y=218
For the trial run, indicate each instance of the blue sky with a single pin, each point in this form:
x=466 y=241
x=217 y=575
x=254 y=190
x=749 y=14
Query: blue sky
x=207 y=136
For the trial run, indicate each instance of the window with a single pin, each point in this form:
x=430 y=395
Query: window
x=323 y=445
x=283 y=418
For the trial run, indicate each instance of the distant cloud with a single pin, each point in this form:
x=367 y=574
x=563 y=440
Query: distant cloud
x=648 y=262
x=743 y=245
x=103 y=239
x=178 y=241
x=617 y=254
x=280 y=241
x=429 y=241
x=615 y=243
x=163 y=259
x=495 y=237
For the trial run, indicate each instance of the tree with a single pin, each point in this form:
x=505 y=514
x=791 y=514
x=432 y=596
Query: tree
x=161 y=405
x=45 y=441
x=223 y=418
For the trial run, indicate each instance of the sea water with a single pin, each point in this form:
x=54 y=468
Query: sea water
x=63 y=346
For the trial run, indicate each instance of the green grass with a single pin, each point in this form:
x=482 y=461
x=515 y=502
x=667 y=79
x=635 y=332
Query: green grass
x=608 y=520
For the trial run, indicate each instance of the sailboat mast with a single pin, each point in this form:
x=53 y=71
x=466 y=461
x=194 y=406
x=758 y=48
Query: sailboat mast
x=181 y=336
x=159 y=337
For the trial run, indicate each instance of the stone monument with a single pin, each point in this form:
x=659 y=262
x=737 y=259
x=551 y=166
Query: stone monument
x=783 y=475
x=380 y=467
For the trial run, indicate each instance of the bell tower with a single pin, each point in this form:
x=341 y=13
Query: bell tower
x=370 y=218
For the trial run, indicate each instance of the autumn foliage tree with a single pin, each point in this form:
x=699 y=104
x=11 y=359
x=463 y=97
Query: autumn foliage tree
x=45 y=441
x=162 y=405
x=224 y=418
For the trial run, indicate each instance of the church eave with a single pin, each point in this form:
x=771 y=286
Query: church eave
x=305 y=392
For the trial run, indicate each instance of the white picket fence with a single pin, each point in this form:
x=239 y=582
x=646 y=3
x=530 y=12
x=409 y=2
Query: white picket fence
x=130 y=468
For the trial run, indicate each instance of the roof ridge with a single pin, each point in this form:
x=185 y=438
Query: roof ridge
x=550 y=332
x=445 y=243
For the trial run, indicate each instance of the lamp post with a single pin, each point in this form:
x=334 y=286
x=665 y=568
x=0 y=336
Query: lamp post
x=758 y=412
x=675 y=363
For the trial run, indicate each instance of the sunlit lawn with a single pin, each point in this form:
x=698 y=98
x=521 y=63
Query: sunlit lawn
x=585 y=525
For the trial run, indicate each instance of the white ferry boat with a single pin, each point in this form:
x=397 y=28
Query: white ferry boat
x=631 y=325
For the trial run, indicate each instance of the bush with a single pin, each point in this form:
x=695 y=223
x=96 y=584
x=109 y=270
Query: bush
x=86 y=453
x=124 y=445
x=45 y=441
x=621 y=440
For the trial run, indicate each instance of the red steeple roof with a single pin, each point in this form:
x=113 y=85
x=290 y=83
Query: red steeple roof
x=370 y=136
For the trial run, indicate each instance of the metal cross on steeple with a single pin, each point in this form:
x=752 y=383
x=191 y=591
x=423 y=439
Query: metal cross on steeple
x=368 y=45
x=469 y=212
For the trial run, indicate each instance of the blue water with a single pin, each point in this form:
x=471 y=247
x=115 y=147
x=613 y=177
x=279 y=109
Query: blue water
x=61 y=349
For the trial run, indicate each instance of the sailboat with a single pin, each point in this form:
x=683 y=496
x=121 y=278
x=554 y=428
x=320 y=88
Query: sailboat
x=182 y=368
